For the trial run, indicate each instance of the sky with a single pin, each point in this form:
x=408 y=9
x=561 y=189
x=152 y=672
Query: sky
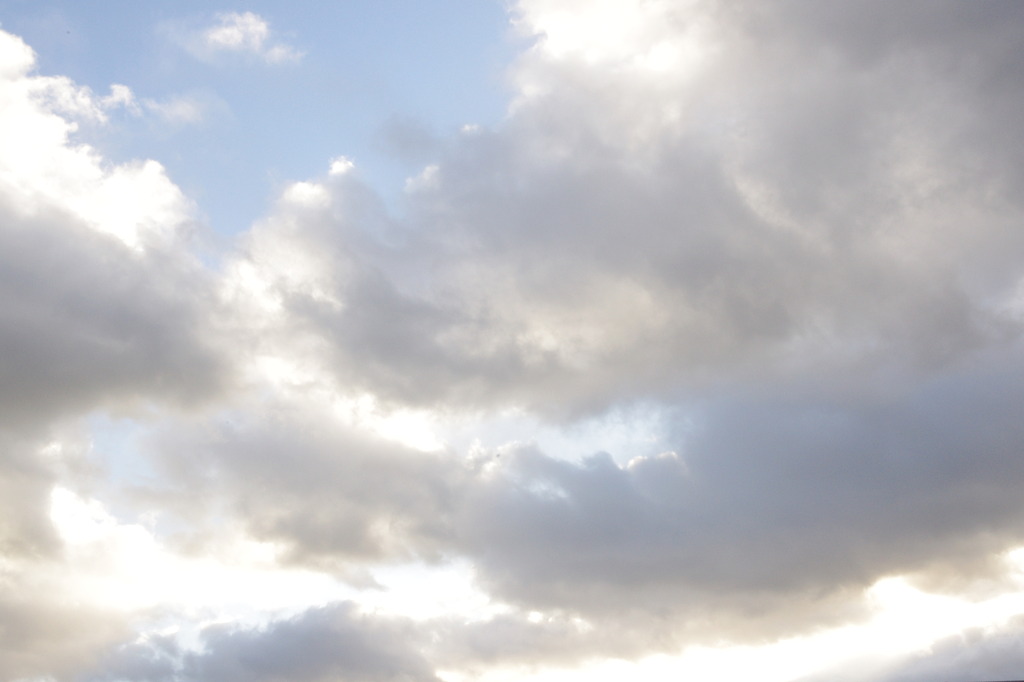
x=538 y=340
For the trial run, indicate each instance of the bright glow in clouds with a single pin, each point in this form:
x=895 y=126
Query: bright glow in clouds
x=424 y=593
x=414 y=428
x=703 y=362
x=125 y=567
x=906 y=621
x=607 y=29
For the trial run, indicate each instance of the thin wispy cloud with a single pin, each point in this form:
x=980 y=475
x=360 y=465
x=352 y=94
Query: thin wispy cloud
x=184 y=109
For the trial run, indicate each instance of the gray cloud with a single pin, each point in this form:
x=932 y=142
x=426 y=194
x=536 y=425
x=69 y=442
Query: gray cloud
x=780 y=507
x=101 y=302
x=797 y=492
x=101 y=307
x=806 y=247
x=291 y=473
x=328 y=643
x=24 y=486
x=85 y=322
x=623 y=235
x=798 y=239
x=43 y=636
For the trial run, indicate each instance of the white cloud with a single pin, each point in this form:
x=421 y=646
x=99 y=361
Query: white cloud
x=42 y=170
x=243 y=33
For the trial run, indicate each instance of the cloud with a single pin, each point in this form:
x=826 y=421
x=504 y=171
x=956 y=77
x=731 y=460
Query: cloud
x=49 y=628
x=978 y=654
x=790 y=230
x=803 y=496
x=242 y=33
x=629 y=233
x=776 y=513
x=326 y=643
x=102 y=301
x=341 y=496
x=184 y=109
x=991 y=652
x=818 y=277
x=101 y=307
x=44 y=635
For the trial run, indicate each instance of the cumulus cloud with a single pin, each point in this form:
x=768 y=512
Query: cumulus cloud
x=792 y=230
x=601 y=246
x=805 y=497
x=101 y=299
x=818 y=277
x=242 y=33
x=776 y=513
x=101 y=307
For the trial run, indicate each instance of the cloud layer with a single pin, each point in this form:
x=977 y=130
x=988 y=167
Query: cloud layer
x=790 y=231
